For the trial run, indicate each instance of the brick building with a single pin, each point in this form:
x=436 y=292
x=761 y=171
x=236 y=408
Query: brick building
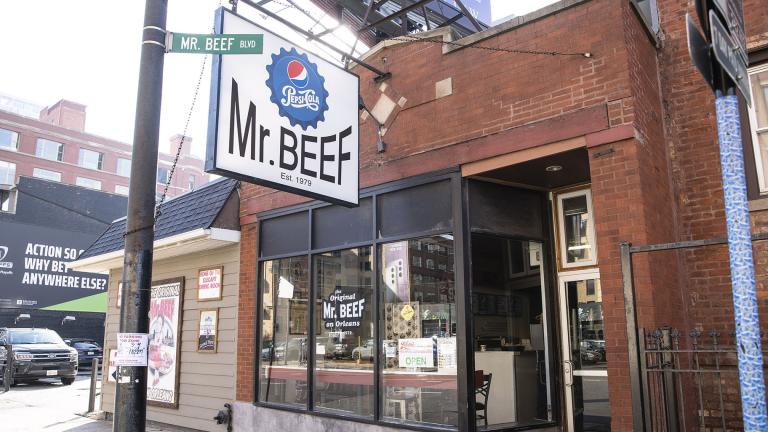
x=480 y=276
x=56 y=147
x=528 y=171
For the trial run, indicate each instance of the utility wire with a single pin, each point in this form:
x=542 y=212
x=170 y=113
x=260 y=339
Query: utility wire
x=411 y=39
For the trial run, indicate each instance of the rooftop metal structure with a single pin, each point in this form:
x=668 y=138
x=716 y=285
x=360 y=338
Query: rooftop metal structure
x=371 y=21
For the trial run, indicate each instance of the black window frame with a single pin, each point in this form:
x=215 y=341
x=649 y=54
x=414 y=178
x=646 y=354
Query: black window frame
x=457 y=210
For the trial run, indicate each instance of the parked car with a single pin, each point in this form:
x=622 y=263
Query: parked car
x=87 y=350
x=597 y=346
x=38 y=353
x=364 y=352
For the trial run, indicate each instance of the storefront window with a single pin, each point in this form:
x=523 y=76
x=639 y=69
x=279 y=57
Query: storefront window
x=284 y=331
x=419 y=333
x=758 y=116
x=344 y=345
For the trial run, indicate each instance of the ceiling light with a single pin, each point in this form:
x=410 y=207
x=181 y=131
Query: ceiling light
x=554 y=168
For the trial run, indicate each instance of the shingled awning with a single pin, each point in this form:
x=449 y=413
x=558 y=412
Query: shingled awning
x=202 y=219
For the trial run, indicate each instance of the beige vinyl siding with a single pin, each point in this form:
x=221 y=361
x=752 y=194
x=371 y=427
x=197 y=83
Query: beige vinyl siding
x=206 y=381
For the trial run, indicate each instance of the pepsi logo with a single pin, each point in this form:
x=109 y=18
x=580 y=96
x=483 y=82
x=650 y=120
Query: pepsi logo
x=297 y=73
x=297 y=88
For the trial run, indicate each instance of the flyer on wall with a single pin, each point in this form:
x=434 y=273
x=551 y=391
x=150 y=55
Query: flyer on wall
x=164 y=342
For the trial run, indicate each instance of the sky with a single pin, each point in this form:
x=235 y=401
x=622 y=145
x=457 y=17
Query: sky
x=88 y=51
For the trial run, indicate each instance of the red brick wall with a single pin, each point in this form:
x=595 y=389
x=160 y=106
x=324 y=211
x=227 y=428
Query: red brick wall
x=246 y=313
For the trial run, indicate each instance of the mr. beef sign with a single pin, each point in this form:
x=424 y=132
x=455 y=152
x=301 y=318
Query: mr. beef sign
x=286 y=118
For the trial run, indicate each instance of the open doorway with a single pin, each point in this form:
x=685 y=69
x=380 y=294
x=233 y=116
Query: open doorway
x=509 y=322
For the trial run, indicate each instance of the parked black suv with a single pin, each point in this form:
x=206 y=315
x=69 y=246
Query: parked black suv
x=38 y=353
x=87 y=350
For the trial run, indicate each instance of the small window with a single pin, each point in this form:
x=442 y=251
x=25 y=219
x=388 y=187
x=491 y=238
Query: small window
x=758 y=119
x=649 y=13
x=191 y=182
x=122 y=190
x=416 y=261
x=88 y=183
x=430 y=263
x=90 y=159
x=7 y=173
x=9 y=140
x=50 y=150
x=162 y=175
x=7 y=200
x=576 y=229
x=124 y=167
x=590 y=287
x=46 y=174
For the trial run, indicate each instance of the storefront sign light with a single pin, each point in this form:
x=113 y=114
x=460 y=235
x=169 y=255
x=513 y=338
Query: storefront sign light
x=286 y=119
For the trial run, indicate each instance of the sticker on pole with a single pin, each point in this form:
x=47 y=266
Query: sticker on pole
x=286 y=119
x=131 y=349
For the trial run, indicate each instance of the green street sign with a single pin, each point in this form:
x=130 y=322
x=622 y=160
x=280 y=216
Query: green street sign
x=216 y=43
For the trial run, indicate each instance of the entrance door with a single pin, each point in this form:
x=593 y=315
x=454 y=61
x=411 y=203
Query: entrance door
x=584 y=362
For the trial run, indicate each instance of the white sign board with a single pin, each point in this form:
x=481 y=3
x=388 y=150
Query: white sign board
x=446 y=353
x=415 y=352
x=286 y=119
x=131 y=349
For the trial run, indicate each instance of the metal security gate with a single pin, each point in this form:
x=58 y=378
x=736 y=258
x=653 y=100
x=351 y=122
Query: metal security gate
x=681 y=380
x=689 y=389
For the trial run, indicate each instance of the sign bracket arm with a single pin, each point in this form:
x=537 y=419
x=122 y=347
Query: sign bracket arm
x=380 y=75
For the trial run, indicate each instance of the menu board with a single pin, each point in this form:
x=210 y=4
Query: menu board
x=446 y=353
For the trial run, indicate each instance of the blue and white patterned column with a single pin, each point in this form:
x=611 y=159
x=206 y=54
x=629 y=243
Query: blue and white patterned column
x=742 y=265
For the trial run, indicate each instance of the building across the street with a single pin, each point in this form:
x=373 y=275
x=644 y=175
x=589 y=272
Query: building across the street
x=52 y=224
x=54 y=146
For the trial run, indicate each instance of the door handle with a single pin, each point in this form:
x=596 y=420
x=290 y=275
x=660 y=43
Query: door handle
x=568 y=372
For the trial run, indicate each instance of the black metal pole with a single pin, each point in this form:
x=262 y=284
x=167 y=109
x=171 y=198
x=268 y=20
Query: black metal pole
x=131 y=394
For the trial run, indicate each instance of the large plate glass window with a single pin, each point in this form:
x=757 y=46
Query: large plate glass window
x=419 y=333
x=344 y=345
x=284 y=331
x=50 y=150
x=576 y=229
x=758 y=116
x=9 y=140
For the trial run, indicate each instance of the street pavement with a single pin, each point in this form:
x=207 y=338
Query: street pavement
x=47 y=405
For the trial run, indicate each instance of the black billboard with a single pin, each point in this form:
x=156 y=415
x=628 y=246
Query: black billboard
x=34 y=272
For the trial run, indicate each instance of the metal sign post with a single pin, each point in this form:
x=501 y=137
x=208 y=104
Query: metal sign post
x=742 y=266
x=131 y=390
x=729 y=73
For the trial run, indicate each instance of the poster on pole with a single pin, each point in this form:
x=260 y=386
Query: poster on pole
x=164 y=342
x=131 y=349
x=285 y=119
